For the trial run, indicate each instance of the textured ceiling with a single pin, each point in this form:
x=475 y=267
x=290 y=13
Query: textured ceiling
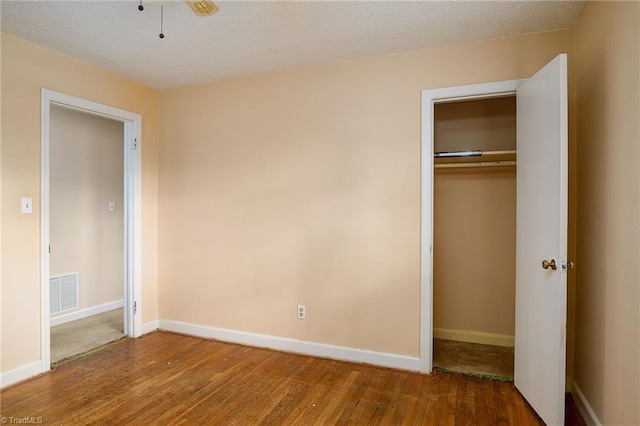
x=256 y=36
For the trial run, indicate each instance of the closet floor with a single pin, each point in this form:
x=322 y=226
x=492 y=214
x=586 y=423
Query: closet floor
x=473 y=358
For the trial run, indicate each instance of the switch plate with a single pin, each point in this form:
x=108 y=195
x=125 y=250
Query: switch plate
x=112 y=206
x=26 y=204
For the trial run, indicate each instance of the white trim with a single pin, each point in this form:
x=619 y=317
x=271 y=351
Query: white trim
x=341 y=353
x=45 y=326
x=133 y=220
x=19 y=374
x=584 y=407
x=133 y=210
x=149 y=327
x=429 y=99
x=475 y=337
x=87 y=312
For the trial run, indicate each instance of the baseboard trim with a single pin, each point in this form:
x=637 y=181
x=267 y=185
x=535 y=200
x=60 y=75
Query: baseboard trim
x=19 y=374
x=475 y=337
x=149 y=327
x=87 y=312
x=321 y=350
x=584 y=407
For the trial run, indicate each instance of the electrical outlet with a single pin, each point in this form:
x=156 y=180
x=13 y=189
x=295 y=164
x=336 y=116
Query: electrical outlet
x=302 y=312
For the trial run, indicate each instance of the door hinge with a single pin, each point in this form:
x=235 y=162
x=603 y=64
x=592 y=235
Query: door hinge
x=134 y=145
x=49 y=248
x=135 y=308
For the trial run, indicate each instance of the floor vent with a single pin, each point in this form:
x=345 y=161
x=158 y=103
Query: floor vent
x=63 y=292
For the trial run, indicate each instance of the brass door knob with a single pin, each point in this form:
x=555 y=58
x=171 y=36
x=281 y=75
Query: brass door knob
x=549 y=264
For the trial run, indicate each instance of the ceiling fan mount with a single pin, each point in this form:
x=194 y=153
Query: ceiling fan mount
x=199 y=7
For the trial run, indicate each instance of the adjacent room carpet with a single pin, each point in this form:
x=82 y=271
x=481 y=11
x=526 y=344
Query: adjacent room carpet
x=473 y=358
x=77 y=337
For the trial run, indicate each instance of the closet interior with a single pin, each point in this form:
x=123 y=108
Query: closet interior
x=474 y=236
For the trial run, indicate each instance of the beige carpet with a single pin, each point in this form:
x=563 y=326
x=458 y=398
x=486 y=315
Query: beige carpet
x=77 y=337
x=473 y=358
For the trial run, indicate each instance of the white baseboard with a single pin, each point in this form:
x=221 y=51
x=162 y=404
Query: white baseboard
x=87 y=312
x=584 y=407
x=21 y=373
x=32 y=369
x=341 y=353
x=475 y=337
x=149 y=327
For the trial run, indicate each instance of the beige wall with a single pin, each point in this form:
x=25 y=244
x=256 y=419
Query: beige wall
x=474 y=249
x=26 y=68
x=86 y=173
x=485 y=124
x=475 y=220
x=303 y=186
x=607 y=298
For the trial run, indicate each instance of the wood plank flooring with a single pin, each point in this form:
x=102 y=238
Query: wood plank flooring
x=166 y=379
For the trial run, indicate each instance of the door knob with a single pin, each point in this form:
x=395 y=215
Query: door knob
x=549 y=264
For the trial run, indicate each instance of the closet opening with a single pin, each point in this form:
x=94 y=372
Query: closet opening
x=474 y=236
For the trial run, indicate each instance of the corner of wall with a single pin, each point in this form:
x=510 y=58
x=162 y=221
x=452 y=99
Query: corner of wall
x=587 y=413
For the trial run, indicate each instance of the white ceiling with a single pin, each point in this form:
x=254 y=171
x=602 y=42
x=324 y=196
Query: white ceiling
x=256 y=36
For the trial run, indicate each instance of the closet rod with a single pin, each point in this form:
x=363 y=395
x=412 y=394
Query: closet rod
x=456 y=154
x=469 y=153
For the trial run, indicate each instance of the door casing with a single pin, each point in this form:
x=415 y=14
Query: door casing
x=132 y=210
x=429 y=99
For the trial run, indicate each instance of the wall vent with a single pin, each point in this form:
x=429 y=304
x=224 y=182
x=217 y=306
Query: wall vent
x=63 y=292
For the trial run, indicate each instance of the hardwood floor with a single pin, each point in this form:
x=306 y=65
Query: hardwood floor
x=165 y=378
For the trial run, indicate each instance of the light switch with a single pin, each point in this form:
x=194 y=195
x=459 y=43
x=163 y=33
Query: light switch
x=112 y=206
x=27 y=205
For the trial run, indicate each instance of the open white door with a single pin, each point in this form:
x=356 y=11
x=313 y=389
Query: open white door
x=541 y=294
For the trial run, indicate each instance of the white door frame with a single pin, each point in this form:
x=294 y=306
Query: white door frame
x=429 y=99
x=132 y=210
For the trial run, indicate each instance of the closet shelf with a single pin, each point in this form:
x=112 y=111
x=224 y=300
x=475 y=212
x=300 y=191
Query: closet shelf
x=474 y=159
